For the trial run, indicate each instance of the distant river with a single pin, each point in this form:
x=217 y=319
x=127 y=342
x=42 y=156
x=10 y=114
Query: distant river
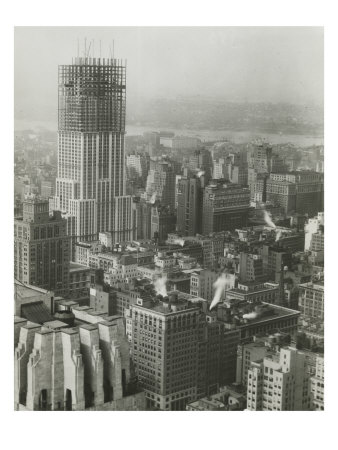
x=237 y=137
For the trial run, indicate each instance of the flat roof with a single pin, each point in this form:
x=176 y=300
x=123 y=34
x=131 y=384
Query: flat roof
x=89 y=326
x=313 y=285
x=55 y=324
x=67 y=302
x=18 y=319
x=74 y=267
x=27 y=290
x=70 y=330
x=276 y=312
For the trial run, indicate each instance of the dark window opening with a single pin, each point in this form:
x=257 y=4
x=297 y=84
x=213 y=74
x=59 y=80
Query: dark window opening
x=68 y=400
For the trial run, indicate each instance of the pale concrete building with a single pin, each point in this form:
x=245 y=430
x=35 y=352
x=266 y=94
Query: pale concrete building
x=201 y=284
x=279 y=383
x=105 y=239
x=317 y=385
x=83 y=368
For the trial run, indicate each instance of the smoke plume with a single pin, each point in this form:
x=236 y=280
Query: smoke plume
x=251 y=315
x=160 y=286
x=153 y=198
x=219 y=286
x=200 y=173
x=268 y=220
x=179 y=242
x=278 y=235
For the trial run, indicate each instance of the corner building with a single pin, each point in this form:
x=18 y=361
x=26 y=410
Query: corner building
x=41 y=248
x=279 y=383
x=180 y=354
x=165 y=348
x=225 y=207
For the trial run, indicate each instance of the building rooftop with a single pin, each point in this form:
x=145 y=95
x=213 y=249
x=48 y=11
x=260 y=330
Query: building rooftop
x=258 y=313
x=76 y=267
x=27 y=290
x=318 y=285
x=67 y=302
x=36 y=312
x=89 y=326
x=55 y=324
x=18 y=319
x=31 y=325
x=74 y=330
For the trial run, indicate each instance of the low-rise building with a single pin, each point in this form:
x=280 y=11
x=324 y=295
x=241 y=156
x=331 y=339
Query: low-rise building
x=258 y=318
x=264 y=292
x=229 y=398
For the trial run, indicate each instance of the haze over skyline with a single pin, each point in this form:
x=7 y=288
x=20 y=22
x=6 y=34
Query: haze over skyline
x=253 y=64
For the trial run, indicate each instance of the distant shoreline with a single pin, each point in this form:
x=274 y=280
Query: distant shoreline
x=237 y=137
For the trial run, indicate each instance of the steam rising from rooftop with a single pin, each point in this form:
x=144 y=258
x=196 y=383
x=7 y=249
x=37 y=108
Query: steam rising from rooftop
x=160 y=286
x=268 y=220
x=153 y=198
x=179 y=242
x=278 y=234
x=200 y=173
x=251 y=315
x=219 y=286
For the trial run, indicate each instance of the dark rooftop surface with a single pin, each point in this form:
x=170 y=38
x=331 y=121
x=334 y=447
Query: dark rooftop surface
x=36 y=312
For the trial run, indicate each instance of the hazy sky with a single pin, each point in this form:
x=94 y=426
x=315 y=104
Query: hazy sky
x=268 y=64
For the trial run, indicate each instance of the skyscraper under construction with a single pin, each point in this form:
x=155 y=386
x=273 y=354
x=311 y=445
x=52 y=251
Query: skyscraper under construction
x=90 y=184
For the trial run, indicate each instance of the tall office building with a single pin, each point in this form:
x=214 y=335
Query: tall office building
x=279 y=383
x=161 y=183
x=304 y=191
x=180 y=354
x=202 y=160
x=250 y=266
x=317 y=386
x=225 y=207
x=91 y=159
x=41 y=248
x=202 y=284
x=311 y=300
x=189 y=205
x=165 y=347
x=163 y=221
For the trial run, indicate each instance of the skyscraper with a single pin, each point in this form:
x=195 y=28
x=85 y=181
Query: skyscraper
x=91 y=160
x=41 y=247
x=161 y=183
x=165 y=344
x=189 y=205
x=225 y=207
x=279 y=383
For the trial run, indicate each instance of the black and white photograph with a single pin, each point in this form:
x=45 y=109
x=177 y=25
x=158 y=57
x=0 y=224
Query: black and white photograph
x=165 y=184
x=169 y=219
